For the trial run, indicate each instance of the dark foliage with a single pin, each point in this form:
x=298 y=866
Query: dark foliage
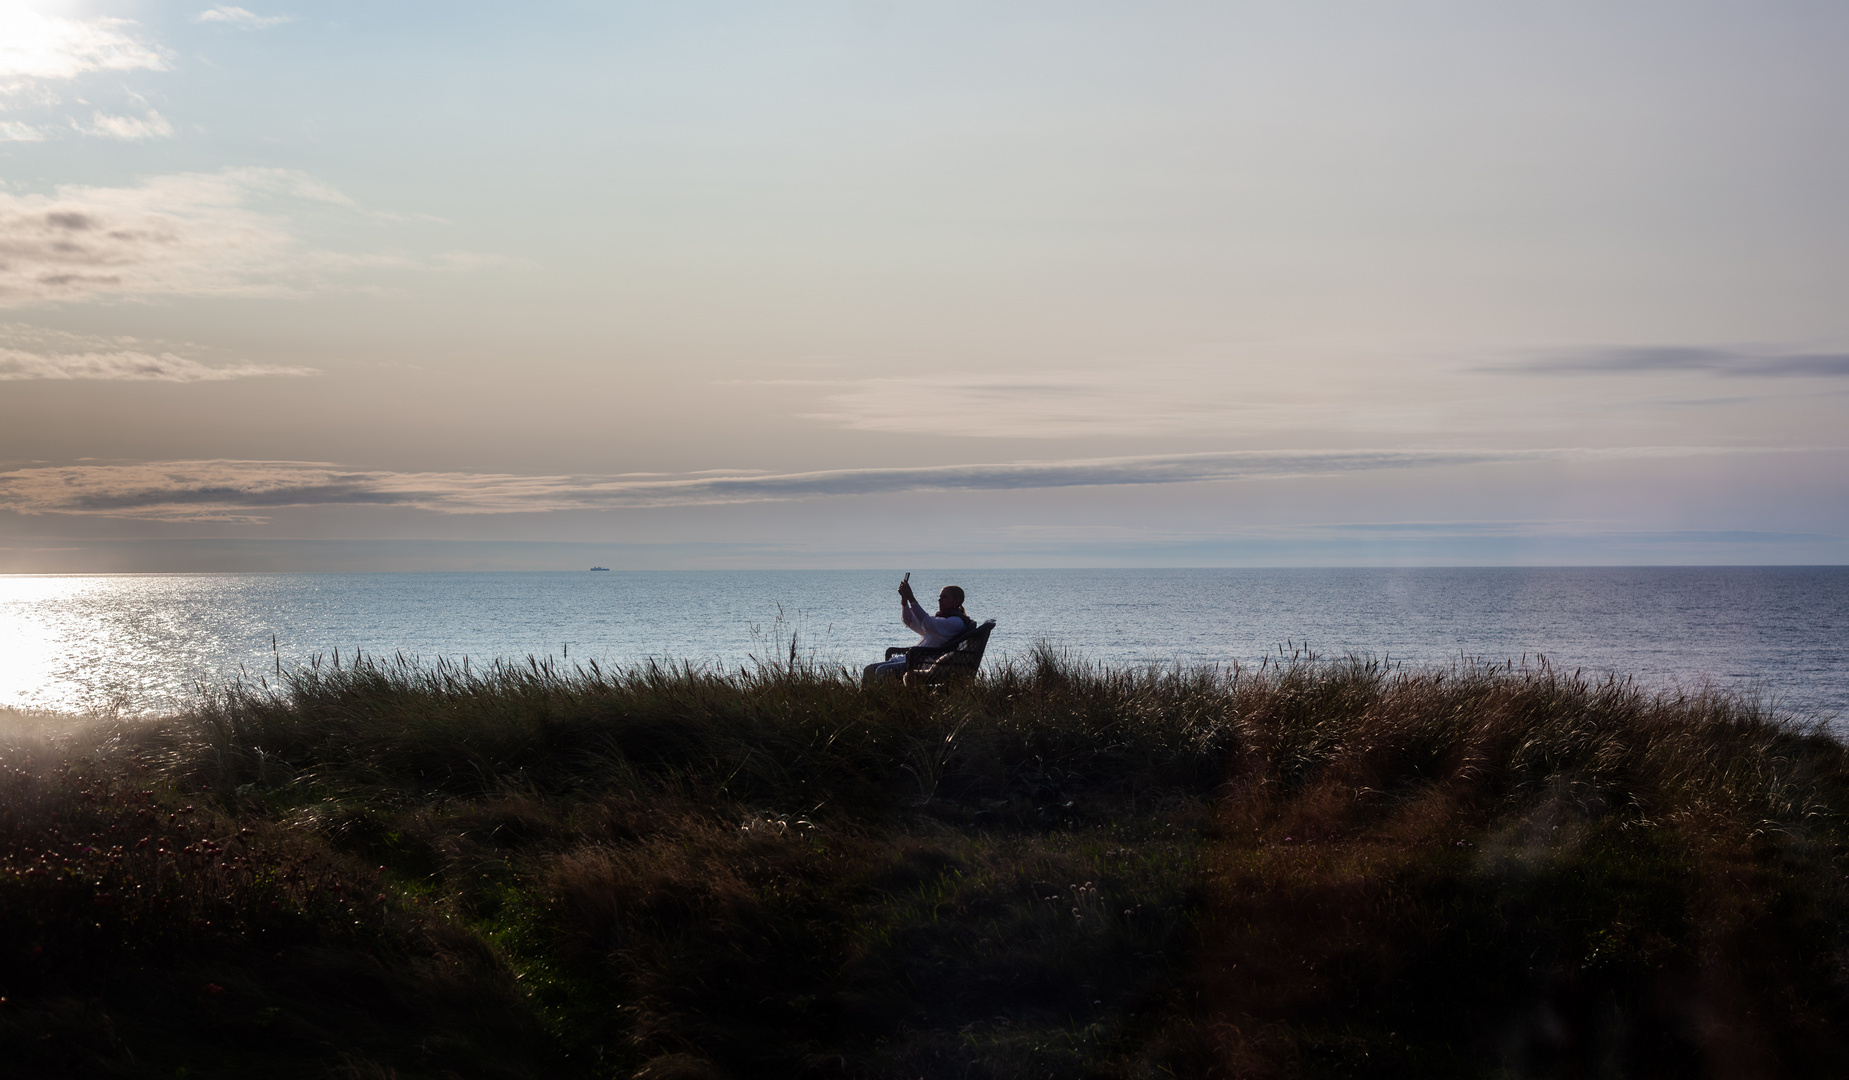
x=1327 y=869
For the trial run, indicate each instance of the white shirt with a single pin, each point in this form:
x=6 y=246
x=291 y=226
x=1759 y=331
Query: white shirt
x=933 y=630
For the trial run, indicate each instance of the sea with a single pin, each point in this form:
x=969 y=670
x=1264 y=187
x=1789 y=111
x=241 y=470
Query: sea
x=147 y=644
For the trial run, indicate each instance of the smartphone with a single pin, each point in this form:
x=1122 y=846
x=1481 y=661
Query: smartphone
x=908 y=578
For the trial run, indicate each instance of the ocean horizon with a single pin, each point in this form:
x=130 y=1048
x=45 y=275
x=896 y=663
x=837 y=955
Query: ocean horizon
x=147 y=643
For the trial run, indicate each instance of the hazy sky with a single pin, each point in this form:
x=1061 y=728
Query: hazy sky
x=400 y=285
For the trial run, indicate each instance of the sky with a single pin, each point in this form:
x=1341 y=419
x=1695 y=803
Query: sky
x=852 y=283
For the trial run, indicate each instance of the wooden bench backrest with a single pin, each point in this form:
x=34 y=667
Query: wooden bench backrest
x=961 y=655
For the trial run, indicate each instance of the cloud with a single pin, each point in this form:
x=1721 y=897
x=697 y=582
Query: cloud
x=35 y=46
x=1735 y=363
x=191 y=234
x=30 y=353
x=37 y=49
x=240 y=17
x=129 y=365
x=1375 y=534
x=245 y=491
x=1168 y=398
x=153 y=126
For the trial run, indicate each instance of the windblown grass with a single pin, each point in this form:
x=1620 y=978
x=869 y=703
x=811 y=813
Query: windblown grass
x=1061 y=869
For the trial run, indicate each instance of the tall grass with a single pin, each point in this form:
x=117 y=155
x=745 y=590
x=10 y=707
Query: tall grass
x=1329 y=867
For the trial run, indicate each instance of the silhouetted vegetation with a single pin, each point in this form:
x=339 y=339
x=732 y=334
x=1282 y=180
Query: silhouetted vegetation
x=1322 y=869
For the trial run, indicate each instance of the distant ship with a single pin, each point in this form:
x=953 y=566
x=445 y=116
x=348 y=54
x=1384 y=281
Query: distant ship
x=600 y=568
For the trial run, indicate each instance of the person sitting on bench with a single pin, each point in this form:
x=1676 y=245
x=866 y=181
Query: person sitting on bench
x=932 y=630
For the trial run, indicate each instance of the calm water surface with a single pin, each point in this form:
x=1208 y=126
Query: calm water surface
x=143 y=642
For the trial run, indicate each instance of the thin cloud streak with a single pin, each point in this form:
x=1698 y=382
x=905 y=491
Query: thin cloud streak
x=242 y=18
x=153 y=126
x=130 y=366
x=244 y=491
x=32 y=353
x=1171 y=398
x=1674 y=358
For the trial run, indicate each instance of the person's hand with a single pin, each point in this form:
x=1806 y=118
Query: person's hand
x=905 y=592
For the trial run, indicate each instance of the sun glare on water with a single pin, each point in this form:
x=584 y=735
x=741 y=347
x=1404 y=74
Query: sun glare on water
x=68 y=643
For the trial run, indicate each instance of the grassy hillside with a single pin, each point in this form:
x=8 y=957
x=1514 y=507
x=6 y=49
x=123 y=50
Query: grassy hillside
x=1321 y=870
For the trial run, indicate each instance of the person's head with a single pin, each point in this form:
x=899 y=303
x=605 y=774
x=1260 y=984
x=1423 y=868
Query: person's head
x=950 y=599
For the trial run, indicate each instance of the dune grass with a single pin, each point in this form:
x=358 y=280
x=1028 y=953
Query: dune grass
x=1322 y=869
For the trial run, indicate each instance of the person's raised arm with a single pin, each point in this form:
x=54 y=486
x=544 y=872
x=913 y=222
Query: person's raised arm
x=910 y=611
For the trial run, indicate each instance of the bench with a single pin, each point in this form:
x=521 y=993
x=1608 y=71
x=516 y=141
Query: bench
x=957 y=658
